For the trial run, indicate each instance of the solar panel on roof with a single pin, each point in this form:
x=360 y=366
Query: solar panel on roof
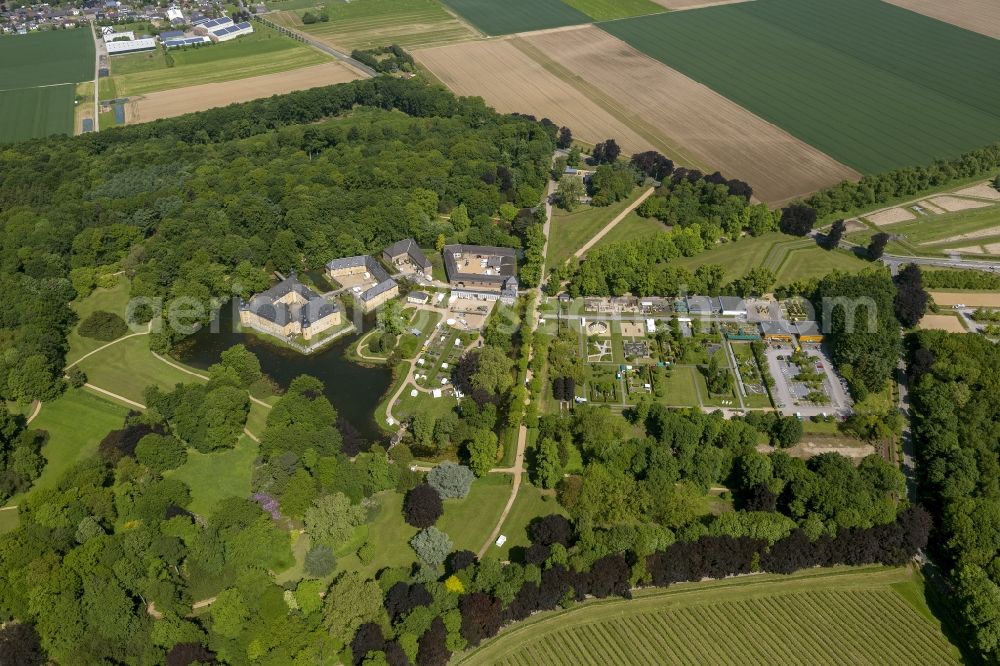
x=243 y=26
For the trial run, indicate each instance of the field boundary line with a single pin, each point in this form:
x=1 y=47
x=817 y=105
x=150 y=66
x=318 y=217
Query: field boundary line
x=44 y=85
x=608 y=103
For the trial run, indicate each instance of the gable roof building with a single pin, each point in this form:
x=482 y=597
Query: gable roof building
x=407 y=250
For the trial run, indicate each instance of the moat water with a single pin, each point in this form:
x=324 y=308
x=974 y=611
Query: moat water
x=353 y=389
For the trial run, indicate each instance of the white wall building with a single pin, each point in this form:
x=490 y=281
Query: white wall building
x=131 y=46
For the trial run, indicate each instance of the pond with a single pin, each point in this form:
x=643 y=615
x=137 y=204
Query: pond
x=354 y=390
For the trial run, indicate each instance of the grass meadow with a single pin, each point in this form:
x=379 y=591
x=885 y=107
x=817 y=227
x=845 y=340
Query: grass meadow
x=370 y=23
x=633 y=227
x=212 y=477
x=789 y=258
x=870 y=615
x=504 y=18
x=569 y=231
x=870 y=84
x=128 y=367
x=264 y=52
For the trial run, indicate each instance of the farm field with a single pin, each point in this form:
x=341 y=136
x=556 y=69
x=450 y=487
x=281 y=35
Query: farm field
x=631 y=228
x=46 y=58
x=170 y=103
x=570 y=230
x=982 y=16
x=263 y=52
x=695 y=125
x=36 y=112
x=509 y=80
x=84 y=105
x=694 y=4
x=495 y=18
x=38 y=77
x=972 y=231
x=870 y=84
x=789 y=258
x=368 y=23
x=847 y=616
x=607 y=10
x=942 y=322
x=973 y=299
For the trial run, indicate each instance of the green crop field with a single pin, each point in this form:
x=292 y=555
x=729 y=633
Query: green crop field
x=46 y=58
x=870 y=84
x=607 y=10
x=828 y=616
x=504 y=18
x=371 y=23
x=38 y=73
x=36 y=112
x=933 y=234
x=264 y=52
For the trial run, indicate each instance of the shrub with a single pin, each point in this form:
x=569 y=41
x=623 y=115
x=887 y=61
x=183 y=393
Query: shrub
x=450 y=480
x=366 y=553
x=103 y=325
x=431 y=545
x=161 y=452
x=422 y=506
x=320 y=562
x=76 y=376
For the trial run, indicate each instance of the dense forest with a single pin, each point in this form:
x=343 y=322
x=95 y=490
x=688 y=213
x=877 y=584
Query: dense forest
x=203 y=206
x=955 y=389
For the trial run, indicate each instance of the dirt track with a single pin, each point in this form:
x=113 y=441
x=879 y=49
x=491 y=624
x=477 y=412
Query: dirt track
x=982 y=16
x=698 y=125
x=973 y=299
x=169 y=103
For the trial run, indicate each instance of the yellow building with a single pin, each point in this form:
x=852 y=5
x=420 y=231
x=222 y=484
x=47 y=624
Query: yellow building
x=808 y=332
x=777 y=331
x=290 y=309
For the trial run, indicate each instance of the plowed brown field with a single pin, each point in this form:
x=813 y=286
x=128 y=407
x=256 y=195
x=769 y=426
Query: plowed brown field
x=982 y=16
x=169 y=103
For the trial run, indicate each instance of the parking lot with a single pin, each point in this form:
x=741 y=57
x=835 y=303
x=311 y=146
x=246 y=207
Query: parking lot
x=790 y=394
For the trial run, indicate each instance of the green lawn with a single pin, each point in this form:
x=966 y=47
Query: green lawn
x=388 y=531
x=503 y=18
x=373 y=23
x=76 y=422
x=870 y=615
x=790 y=258
x=113 y=300
x=871 y=84
x=9 y=520
x=531 y=502
x=682 y=389
x=128 y=367
x=407 y=406
x=212 y=477
x=569 y=231
x=632 y=228
x=469 y=521
x=607 y=10
x=265 y=51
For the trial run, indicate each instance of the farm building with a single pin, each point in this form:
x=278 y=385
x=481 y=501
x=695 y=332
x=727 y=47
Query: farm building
x=290 y=309
x=479 y=266
x=732 y=306
x=221 y=29
x=130 y=46
x=366 y=277
x=405 y=254
x=507 y=294
x=185 y=41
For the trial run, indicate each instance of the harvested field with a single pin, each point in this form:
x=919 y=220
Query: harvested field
x=982 y=16
x=891 y=216
x=968 y=249
x=370 y=23
x=974 y=299
x=870 y=84
x=682 y=117
x=952 y=204
x=949 y=323
x=509 y=81
x=982 y=233
x=983 y=191
x=169 y=103
x=927 y=205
